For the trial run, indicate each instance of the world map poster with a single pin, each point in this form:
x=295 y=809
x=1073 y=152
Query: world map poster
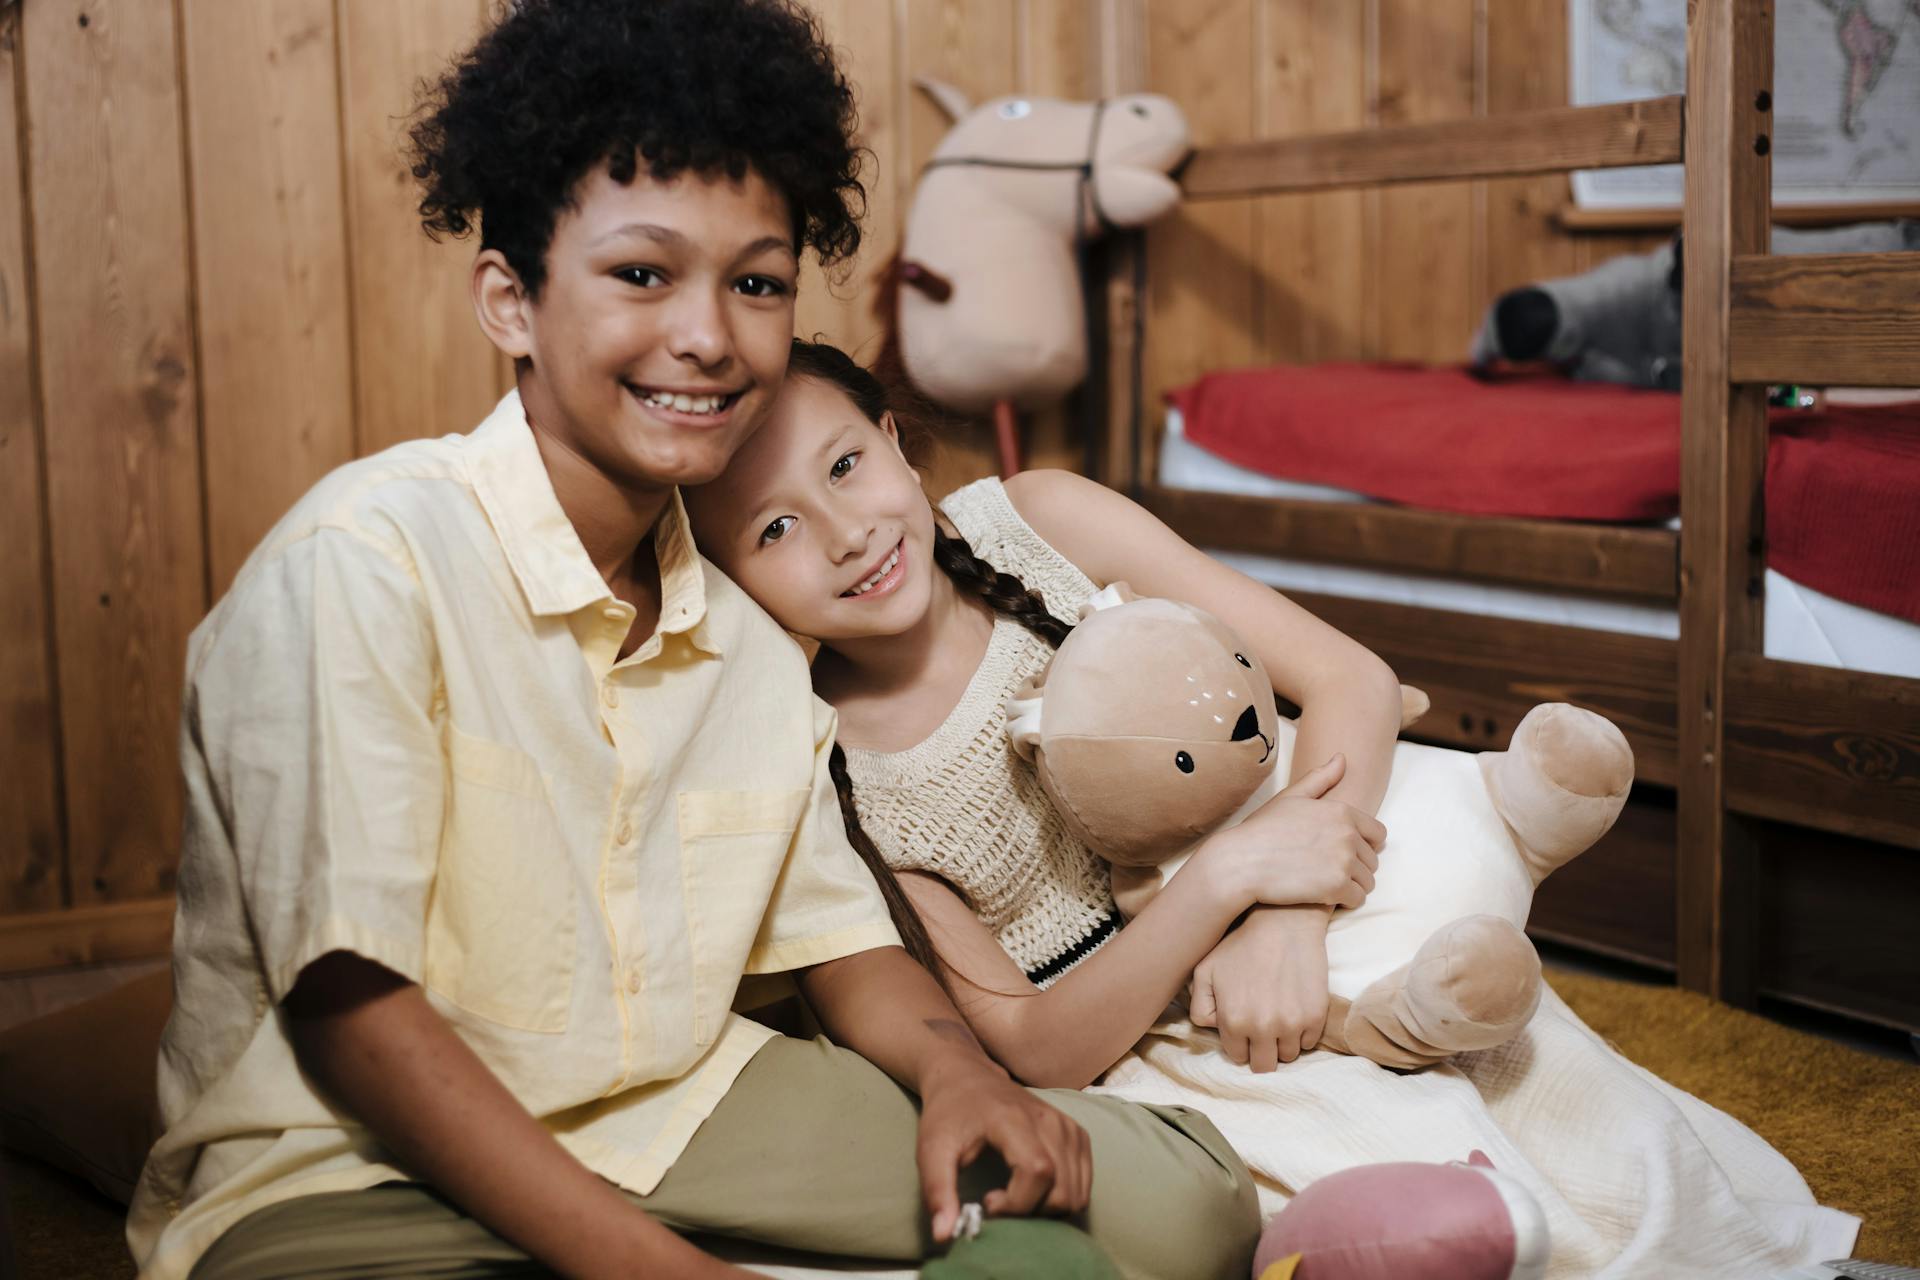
x=1846 y=98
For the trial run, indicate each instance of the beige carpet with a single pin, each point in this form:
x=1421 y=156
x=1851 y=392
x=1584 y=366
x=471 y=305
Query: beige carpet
x=1850 y=1121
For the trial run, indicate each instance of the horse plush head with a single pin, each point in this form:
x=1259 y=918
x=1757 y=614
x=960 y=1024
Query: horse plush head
x=989 y=307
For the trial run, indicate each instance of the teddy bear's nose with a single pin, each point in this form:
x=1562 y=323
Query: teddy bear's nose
x=1247 y=726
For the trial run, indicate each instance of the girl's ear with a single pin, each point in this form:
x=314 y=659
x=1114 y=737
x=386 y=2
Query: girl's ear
x=892 y=429
x=501 y=304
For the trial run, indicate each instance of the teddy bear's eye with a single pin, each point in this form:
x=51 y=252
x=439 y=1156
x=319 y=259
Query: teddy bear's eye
x=1183 y=762
x=1241 y=658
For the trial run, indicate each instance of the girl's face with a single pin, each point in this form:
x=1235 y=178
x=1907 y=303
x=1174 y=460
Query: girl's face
x=820 y=519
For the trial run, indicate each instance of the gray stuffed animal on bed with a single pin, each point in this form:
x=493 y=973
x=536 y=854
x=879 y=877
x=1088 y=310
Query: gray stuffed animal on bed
x=1620 y=322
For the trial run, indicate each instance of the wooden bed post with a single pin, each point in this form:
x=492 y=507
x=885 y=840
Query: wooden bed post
x=1729 y=128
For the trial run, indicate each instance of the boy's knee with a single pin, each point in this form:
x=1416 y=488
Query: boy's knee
x=1170 y=1197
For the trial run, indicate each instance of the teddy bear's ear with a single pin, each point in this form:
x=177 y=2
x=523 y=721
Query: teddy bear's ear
x=1114 y=593
x=1414 y=703
x=1023 y=716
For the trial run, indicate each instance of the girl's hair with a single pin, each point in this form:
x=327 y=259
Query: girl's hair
x=1002 y=592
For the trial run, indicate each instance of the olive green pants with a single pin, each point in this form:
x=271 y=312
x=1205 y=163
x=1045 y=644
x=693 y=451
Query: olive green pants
x=812 y=1148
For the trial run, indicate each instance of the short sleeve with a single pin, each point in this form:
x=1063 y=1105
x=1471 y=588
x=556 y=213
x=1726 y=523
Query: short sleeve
x=825 y=904
x=311 y=710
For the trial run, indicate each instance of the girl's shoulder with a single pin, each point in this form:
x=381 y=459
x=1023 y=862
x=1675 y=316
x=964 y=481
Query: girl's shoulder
x=992 y=515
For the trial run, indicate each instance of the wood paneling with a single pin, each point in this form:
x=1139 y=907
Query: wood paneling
x=1428 y=254
x=1827 y=319
x=423 y=366
x=30 y=843
x=111 y=249
x=271 y=267
x=1587 y=902
x=86 y=935
x=838 y=307
x=1202 y=284
x=1525 y=242
x=1312 y=268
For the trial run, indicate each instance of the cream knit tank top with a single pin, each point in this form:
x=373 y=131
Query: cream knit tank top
x=963 y=806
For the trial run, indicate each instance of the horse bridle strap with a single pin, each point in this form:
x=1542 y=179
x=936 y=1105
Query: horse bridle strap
x=1087 y=192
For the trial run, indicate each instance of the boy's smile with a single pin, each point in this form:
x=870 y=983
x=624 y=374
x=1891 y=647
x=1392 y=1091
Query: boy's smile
x=660 y=335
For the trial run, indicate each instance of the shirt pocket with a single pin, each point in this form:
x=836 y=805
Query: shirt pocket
x=500 y=923
x=732 y=847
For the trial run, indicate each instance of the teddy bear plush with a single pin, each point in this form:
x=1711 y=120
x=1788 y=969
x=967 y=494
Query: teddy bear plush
x=1154 y=725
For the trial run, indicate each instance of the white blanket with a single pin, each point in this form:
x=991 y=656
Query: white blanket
x=1636 y=1178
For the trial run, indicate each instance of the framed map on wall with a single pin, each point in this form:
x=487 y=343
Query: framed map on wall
x=1846 y=100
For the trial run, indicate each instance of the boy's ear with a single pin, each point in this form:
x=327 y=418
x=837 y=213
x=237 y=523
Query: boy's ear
x=500 y=302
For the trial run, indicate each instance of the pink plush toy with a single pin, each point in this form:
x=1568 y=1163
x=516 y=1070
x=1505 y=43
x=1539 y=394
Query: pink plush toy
x=986 y=301
x=1407 y=1222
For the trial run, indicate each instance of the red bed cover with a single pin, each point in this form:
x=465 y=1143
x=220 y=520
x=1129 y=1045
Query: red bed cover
x=1843 y=483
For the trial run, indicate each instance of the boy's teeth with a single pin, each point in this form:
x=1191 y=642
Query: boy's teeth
x=684 y=403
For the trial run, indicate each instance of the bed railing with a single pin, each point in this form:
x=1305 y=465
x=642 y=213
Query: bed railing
x=1736 y=734
x=1833 y=749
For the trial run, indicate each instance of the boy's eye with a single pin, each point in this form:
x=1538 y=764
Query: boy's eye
x=776 y=530
x=842 y=465
x=761 y=286
x=643 y=277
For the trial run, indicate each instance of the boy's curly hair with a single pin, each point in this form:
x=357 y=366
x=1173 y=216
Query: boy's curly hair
x=713 y=86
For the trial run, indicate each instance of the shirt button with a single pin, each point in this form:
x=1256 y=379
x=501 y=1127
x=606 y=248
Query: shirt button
x=633 y=981
x=609 y=695
x=625 y=834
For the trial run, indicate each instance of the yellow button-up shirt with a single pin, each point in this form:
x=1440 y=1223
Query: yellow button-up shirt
x=407 y=736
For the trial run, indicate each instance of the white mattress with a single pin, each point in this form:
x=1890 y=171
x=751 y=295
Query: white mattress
x=1802 y=625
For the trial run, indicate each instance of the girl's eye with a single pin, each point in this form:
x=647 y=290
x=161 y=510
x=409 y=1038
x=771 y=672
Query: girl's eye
x=643 y=277
x=842 y=465
x=761 y=287
x=776 y=530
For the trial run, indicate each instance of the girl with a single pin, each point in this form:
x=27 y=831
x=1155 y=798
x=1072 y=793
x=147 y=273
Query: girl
x=923 y=634
x=823 y=521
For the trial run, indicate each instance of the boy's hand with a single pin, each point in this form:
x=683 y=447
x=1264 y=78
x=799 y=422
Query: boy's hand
x=1265 y=987
x=969 y=1104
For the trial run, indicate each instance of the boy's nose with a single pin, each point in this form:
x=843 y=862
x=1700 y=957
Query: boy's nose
x=700 y=333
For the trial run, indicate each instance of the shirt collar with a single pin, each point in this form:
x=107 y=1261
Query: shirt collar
x=552 y=567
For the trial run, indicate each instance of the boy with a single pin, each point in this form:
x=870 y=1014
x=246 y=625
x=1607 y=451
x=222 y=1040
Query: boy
x=496 y=789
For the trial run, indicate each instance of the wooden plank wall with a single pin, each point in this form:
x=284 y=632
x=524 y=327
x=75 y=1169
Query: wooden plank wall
x=1401 y=274
x=213 y=289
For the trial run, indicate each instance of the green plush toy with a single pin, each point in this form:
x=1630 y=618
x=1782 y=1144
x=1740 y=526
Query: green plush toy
x=1023 y=1249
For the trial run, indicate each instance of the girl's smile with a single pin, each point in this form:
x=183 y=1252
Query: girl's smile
x=885 y=578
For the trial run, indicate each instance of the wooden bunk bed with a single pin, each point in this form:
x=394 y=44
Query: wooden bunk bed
x=1776 y=848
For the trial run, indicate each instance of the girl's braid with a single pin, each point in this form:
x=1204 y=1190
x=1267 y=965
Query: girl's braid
x=1003 y=592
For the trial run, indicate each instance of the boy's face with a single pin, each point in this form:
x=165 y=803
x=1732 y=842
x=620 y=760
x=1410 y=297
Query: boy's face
x=661 y=334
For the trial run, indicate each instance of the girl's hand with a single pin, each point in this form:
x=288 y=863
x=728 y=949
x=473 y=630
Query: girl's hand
x=971 y=1105
x=1265 y=987
x=1298 y=848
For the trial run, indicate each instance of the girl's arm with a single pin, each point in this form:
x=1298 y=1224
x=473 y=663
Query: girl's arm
x=1265 y=985
x=1067 y=1035
x=1349 y=699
